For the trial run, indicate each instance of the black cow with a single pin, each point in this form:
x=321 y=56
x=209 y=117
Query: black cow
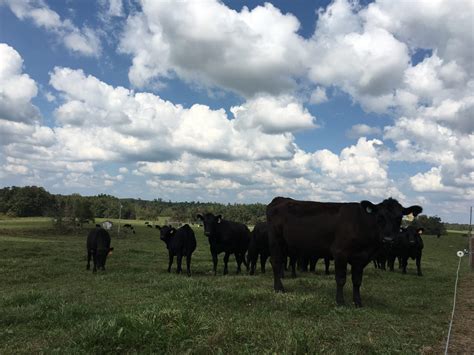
x=180 y=242
x=258 y=246
x=98 y=247
x=226 y=236
x=348 y=232
x=407 y=244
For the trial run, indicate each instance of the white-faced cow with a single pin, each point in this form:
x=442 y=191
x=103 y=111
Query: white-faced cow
x=351 y=233
x=225 y=236
x=180 y=242
x=98 y=247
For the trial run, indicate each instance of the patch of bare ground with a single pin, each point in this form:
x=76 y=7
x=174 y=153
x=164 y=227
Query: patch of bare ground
x=462 y=333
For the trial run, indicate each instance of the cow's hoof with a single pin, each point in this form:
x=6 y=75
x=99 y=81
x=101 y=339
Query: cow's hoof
x=280 y=290
x=88 y=267
x=340 y=303
x=420 y=274
x=358 y=304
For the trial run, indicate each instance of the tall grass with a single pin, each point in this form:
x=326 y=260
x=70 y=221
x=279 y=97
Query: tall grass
x=50 y=303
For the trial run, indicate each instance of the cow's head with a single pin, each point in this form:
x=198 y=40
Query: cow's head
x=166 y=232
x=388 y=216
x=210 y=223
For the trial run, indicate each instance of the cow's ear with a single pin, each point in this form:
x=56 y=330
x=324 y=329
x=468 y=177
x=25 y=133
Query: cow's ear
x=219 y=218
x=416 y=210
x=368 y=206
x=199 y=216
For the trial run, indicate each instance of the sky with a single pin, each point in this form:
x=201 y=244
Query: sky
x=241 y=101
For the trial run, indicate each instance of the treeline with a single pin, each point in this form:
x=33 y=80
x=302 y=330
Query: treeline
x=32 y=201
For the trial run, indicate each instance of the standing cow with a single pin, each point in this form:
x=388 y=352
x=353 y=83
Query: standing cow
x=258 y=246
x=98 y=247
x=348 y=232
x=180 y=242
x=407 y=244
x=225 y=236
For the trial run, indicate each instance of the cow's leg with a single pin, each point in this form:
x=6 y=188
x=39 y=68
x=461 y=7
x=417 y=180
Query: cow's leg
x=226 y=261
x=214 y=262
x=399 y=262
x=243 y=258
x=277 y=262
x=188 y=264
x=418 y=265
x=357 y=271
x=89 y=255
x=252 y=261
x=312 y=264
x=404 y=264
x=238 y=259
x=94 y=260
x=391 y=262
x=293 y=266
x=326 y=265
x=340 y=266
x=179 y=259
x=263 y=260
x=170 y=260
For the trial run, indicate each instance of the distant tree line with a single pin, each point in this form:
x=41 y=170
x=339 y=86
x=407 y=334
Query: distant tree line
x=31 y=201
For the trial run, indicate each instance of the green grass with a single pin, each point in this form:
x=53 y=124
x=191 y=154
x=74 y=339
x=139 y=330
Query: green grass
x=50 y=303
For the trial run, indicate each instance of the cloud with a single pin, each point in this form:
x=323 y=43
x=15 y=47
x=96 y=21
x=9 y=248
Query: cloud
x=16 y=89
x=83 y=41
x=248 y=52
x=273 y=115
x=318 y=96
x=363 y=130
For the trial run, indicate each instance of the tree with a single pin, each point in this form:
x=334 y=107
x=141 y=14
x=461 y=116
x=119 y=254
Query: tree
x=431 y=225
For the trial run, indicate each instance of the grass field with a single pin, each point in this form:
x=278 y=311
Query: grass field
x=50 y=303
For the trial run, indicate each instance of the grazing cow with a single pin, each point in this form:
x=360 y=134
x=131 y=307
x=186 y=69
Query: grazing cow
x=225 y=236
x=258 y=246
x=98 y=247
x=130 y=227
x=348 y=232
x=180 y=242
x=407 y=244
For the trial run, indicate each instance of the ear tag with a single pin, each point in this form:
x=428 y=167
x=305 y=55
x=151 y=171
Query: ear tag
x=368 y=209
x=409 y=217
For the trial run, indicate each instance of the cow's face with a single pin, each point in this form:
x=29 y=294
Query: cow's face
x=210 y=223
x=166 y=232
x=388 y=216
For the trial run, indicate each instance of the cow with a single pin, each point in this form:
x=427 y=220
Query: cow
x=180 y=242
x=348 y=232
x=226 y=236
x=258 y=246
x=130 y=227
x=407 y=244
x=98 y=247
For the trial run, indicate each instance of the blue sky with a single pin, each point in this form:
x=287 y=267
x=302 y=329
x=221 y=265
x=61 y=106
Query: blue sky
x=213 y=101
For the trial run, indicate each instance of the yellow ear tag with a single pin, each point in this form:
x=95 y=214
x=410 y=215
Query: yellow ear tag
x=409 y=217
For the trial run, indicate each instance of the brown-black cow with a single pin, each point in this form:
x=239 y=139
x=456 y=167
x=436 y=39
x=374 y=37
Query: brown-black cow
x=348 y=232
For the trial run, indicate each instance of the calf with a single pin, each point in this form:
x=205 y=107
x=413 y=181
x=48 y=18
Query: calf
x=408 y=244
x=180 y=242
x=226 y=236
x=98 y=247
x=258 y=246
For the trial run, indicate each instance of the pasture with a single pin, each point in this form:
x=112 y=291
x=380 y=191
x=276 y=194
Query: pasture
x=50 y=303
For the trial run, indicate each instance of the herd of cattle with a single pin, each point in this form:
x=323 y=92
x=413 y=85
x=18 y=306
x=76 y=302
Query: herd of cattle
x=300 y=232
